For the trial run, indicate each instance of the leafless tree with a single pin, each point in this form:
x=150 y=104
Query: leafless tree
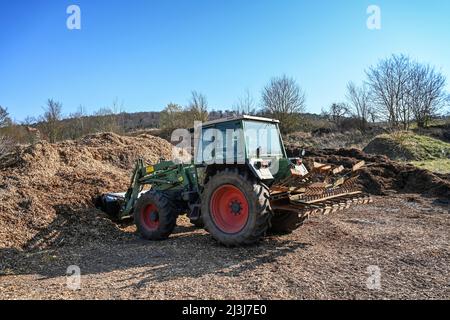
x=118 y=110
x=34 y=135
x=198 y=107
x=245 y=104
x=6 y=145
x=359 y=99
x=5 y=120
x=52 y=120
x=5 y=142
x=388 y=83
x=173 y=117
x=372 y=115
x=77 y=127
x=106 y=120
x=337 y=112
x=29 y=121
x=283 y=99
x=81 y=117
x=426 y=94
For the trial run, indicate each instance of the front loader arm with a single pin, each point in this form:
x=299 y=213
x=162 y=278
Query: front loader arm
x=133 y=191
x=165 y=175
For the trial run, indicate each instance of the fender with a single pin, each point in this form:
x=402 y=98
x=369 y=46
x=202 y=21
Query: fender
x=260 y=168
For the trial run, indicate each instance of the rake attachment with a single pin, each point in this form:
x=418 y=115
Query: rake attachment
x=326 y=189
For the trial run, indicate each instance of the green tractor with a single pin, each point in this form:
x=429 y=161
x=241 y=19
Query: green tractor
x=239 y=185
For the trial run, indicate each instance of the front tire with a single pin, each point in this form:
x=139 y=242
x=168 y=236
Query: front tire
x=235 y=208
x=154 y=216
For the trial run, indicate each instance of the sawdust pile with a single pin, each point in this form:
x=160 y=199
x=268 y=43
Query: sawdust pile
x=381 y=175
x=46 y=190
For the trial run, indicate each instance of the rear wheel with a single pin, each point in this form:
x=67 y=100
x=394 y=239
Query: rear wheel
x=285 y=222
x=154 y=216
x=235 y=208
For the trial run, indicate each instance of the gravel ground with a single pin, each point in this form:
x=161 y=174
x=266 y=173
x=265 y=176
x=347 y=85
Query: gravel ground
x=405 y=236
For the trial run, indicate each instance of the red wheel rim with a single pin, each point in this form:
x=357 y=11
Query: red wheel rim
x=150 y=217
x=229 y=209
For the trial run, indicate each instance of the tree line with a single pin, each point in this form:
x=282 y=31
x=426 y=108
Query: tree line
x=53 y=126
x=397 y=91
x=282 y=99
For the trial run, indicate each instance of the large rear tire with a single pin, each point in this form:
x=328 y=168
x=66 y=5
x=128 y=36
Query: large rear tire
x=154 y=216
x=235 y=208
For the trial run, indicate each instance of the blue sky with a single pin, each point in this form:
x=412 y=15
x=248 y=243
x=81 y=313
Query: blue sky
x=148 y=53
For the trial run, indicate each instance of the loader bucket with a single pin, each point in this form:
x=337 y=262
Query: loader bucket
x=111 y=204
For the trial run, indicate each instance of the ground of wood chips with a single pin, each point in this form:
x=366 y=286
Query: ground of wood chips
x=405 y=237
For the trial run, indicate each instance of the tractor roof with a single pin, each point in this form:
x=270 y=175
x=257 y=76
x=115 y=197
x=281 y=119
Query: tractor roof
x=244 y=117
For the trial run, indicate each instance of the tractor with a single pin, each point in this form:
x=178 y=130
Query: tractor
x=239 y=185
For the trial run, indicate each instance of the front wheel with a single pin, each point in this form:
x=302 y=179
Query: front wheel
x=235 y=208
x=154 y=216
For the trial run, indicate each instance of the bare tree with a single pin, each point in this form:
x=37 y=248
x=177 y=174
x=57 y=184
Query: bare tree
x=106 y=120
x=245 y=104
x=173 y=117
x=118 y=109
x=283 y=99
x=426 y=94
x=77 y=127
x=29 y=121
x=5 y=142
x=6 y=146
x=337 y=112
x=198 y=107
x=5 y=120
x=34 y=135
x=80 y=115
x=372 y=115
x=388 y=83
x=51 y=120
x=359 y=99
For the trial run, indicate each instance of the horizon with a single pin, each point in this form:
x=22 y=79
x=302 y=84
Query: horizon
x=146 y=54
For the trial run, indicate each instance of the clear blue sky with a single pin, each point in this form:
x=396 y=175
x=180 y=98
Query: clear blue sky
x=148 y=53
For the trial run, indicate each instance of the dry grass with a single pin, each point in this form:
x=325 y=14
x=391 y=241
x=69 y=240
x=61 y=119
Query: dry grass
x=439 y=165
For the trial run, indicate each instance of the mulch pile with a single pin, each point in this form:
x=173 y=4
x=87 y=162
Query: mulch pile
x=46 y=190
x=383 y=175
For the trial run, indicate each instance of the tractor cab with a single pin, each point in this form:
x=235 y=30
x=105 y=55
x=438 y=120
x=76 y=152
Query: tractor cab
x=249 y=141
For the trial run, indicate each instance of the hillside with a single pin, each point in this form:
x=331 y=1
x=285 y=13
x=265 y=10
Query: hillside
x=421 y=150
